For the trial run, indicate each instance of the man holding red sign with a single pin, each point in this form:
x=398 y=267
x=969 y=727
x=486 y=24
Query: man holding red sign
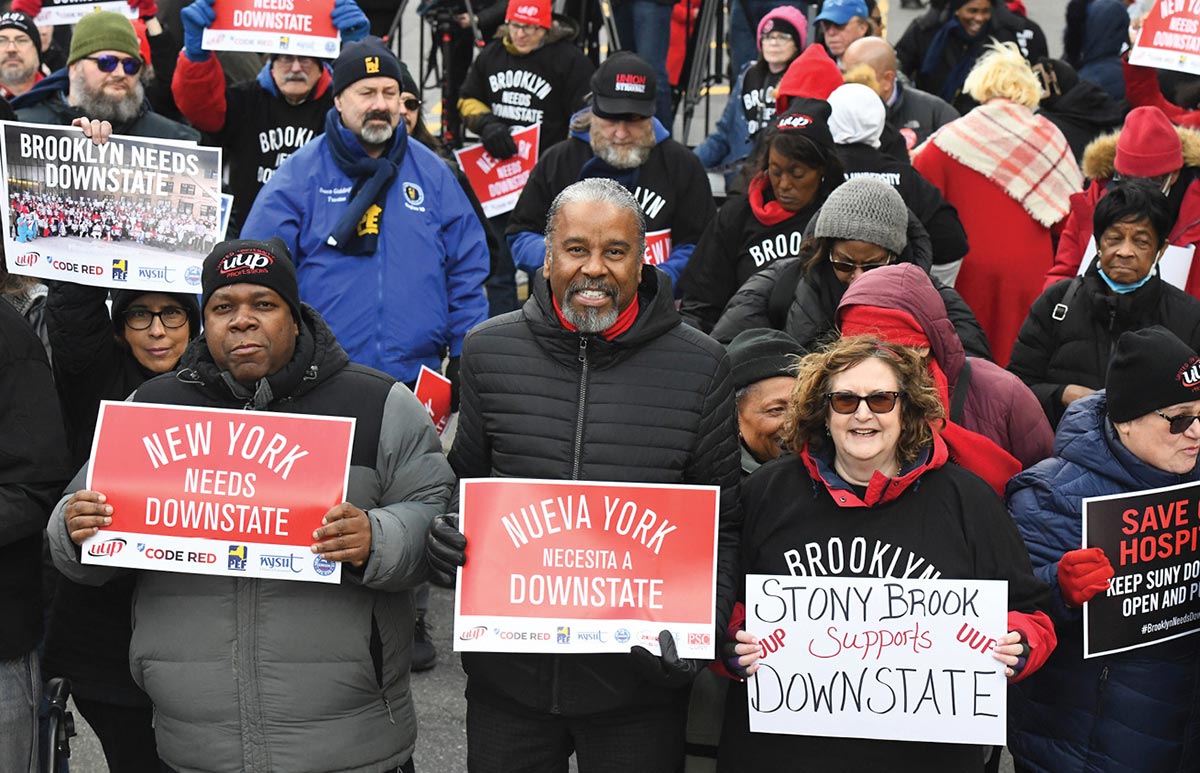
x=594 y=379
x=241 y=669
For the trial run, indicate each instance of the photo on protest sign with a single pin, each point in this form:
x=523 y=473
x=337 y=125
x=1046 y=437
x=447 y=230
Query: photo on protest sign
x=1170 y=37
x=222 y=492
x=56 y=12
x=299 y=27
x=498 y=184
x=890 y=659
x=1150 y=537
x=572 y=566
x=135 y=213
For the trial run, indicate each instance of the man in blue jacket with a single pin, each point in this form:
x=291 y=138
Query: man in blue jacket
x=386 y=245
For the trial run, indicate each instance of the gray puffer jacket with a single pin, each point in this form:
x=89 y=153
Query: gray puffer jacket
x=296 y=677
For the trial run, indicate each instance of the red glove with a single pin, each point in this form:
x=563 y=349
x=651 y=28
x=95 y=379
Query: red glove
x=1082 y=574
x=31 y=7
x=145 y=8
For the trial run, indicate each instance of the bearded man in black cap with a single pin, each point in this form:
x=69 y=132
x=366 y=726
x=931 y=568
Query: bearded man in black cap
x=248 y=674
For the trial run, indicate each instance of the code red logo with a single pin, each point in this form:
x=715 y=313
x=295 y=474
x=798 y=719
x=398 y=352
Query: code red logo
x=28 y=259
x=474 y=633
x=109 y=547
x=699 y=639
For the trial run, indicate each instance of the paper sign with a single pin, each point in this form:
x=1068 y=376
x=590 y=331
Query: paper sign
x=1150 y=537
x=658 y=246
x=55 y=12
x=1170 y=37
x=569 y=566
x=206 y=491
x=300 y=27
x=898 y=660
x=1174 y=265
x=433 y=390
x=134 y=214
x=498 y=184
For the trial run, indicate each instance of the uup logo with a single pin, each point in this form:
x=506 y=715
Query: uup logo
x=527 y=10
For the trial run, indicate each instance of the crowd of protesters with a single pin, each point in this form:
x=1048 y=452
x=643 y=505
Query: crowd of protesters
x=948 y=290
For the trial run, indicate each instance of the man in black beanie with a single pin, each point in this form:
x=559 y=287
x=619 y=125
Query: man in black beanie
x=245 y=673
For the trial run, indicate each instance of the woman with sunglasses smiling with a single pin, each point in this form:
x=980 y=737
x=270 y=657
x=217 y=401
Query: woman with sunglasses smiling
x=869 y=473
x=863 y=225
x=1134 y=710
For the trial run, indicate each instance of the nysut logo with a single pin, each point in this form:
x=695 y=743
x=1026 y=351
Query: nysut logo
x=237 y=558
x=413 y=194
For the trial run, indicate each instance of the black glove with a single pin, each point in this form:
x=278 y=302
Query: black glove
x=445 y=548
x=668 y=670
x=452 y=366
x=496 y=139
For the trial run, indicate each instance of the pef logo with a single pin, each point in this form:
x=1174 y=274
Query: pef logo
x=28 y=259
x=120 y=270
x=472 y=634
x=564 y=634
x=237 y=558
x=108 y=548
x=795 y=121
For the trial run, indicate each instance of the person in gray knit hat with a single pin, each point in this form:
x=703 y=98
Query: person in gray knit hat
x=762 y=363
x=865 y=210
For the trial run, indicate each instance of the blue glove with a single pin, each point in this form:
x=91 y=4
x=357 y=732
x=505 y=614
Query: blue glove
x=197 y=17
x=350 y=21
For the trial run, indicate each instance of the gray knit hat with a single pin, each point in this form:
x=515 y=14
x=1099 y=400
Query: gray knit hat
x=868 y=210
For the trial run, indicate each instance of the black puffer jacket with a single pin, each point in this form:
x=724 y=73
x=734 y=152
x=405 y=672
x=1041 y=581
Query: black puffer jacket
x=782 y=297
x=654 y=405
x=1050 y=354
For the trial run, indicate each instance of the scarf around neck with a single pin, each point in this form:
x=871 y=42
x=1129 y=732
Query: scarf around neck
x=953 y=83
x=357 y=231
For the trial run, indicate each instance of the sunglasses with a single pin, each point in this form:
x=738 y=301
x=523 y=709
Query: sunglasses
x=141 y=319
x=108 y=63
x=1180 y=423
x=411 y=105
x=848 y=402
x=849 y=266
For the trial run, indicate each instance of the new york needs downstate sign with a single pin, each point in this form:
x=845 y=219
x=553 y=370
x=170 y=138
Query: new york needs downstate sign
x=207 y=491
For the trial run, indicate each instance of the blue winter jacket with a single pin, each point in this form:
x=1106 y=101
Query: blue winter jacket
x=1135 y=711
x=422 y=290
x=1106 y=35
x=729 y=143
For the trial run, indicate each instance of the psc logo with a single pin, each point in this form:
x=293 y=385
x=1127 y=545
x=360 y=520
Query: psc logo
x=698 y=639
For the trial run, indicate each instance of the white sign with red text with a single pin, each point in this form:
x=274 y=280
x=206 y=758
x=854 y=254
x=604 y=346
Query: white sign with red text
x=891 y=659
x=56 y=12
x=498 y=183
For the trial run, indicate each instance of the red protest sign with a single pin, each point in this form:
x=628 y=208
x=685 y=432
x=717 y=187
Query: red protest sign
x=209 y=491
x=658 y=246
x=1170 y=37
x=498 y=184
x=433 y=390
x=300 y=27
x=570 y=566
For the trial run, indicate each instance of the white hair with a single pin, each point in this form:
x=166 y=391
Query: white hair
x=597 y=189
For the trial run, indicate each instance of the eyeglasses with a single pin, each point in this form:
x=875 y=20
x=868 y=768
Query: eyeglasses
x=849 y=266
x=287 y=60
x=20 y=42
x=776 y=37
x=141 y=319
x=848 y=402
x=1180 y=423
x=108 y=63
x=514 y=26
x=411 y=105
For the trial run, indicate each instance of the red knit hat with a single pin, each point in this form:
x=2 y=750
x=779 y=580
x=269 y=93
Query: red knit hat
x=812 y=74
x=895 y=326
x=1148 y=145
x=533 y=12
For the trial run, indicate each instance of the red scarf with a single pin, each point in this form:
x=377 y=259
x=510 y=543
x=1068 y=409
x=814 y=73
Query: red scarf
x=766 y=212
x=978 y=453
x=624 y=321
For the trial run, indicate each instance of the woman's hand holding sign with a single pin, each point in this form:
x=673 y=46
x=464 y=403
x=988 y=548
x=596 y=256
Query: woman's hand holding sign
x=346 y=535
x=86 y=514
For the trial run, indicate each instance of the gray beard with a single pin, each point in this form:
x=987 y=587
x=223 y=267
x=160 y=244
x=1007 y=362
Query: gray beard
x=115 y=110
x=19 y=78
x=590 y=320
x=377 y=135
x=622 y=158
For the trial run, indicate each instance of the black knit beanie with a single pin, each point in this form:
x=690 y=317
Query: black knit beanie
x=761 y=353
x=1150 y=370
x=367 y=58
x=250 y=261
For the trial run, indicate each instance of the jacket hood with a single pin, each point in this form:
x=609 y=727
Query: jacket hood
x=317 y=357
x=812 y=75
x=57 y=81
x=1106 y=31
x=1099 y=157
x=268 y=83
x=1088 y=104
x=581 y=124
x=907 y=288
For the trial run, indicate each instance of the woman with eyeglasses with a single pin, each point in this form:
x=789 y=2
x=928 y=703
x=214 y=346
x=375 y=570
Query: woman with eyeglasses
x=1065 y=344
x=863 y=225
x=797 y=170
x=869 y=471
x=101 y=357
x=1135 y=710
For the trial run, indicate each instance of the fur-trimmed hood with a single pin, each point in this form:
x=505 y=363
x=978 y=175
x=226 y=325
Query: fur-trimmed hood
x=1099 y=157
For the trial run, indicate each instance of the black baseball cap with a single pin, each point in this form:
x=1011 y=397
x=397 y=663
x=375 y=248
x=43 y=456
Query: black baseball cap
x=623 y=85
